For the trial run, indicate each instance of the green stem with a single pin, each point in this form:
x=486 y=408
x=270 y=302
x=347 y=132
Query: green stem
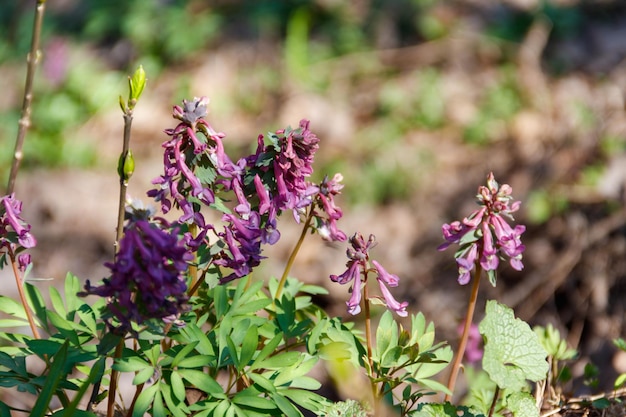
x=24 y=123
x=292 y=256
x=121 y=208
x=466 y=328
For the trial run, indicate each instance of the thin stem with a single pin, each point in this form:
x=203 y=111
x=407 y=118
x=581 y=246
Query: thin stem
x=121 y=208
x=20 y=290
x=292 y=256
x=114 y=378
x=369 y=341
x=496 y=394
x=138 y=390
x=193 y=267
x=24 y=123
x=468 y=323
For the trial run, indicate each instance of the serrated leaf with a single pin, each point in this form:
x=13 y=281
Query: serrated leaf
x=513 y=353
x=522 y=404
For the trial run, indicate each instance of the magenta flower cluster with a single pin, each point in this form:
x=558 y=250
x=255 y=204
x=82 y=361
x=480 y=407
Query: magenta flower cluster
x=148 y=276
x=485 y=236
x=198 y=172
x=357 y=272
x=15 y=233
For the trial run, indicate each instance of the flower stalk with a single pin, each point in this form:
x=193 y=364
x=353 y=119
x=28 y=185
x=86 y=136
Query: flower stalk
x=471 y=307
x=293 y=255
x=33 y=59
x=20 y=290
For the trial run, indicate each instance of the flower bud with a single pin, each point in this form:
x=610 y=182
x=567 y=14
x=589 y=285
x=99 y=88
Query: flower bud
x=126 y=166
x=136 y=83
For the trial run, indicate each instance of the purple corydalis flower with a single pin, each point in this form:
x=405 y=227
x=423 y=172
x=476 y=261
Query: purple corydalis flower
x=184 y=151
x=148 y=276
x=14 y=231
x=292 y=164
x=385 y=279
x=243 y=238
x=325 y=199
x=358 y=259
x=485 y=236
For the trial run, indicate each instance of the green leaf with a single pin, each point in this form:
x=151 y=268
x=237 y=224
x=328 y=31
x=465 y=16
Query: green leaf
x=522 y=404
x=57 y=302
x=196 y=361
x=65 y=327
x=72 y=288
x=13 y=323
x=131 y=364
x=144 y=400
x=142 y=375
x=203 y=381
x=386 y=335
x=335 y=351
x=233 y=353
x=182 y=354
x=37 y=304
x=269 y=348
x=513 y=353
x=285 y=406
x=249 y=346
x=249 y=398
x=444 y=410
x=307 y=399
x=178 y=386
x=286 y=374
x=96 y=373
x=12 y=307
x=158 y=408
x=278 y=361
x=52 y=380
x=194 y=333
x=136 y=84
x=263 y=383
